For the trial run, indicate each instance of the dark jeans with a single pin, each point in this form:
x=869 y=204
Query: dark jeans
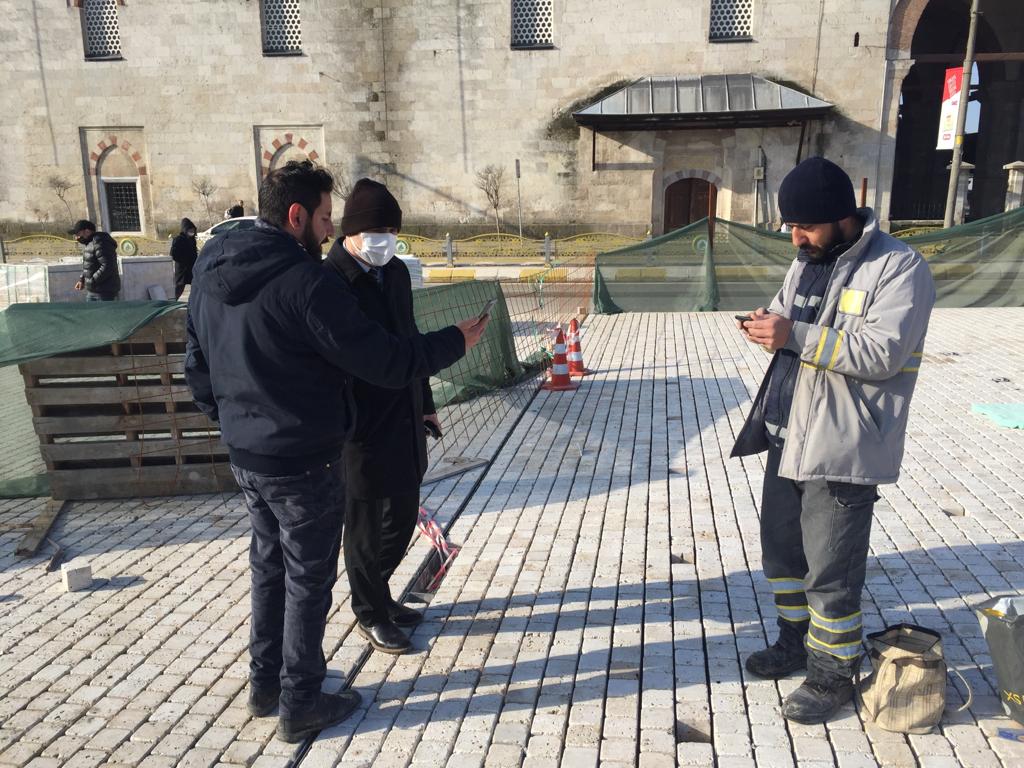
x=90 y=296
x=377 y=534
x=293 y=556
x=814 y=548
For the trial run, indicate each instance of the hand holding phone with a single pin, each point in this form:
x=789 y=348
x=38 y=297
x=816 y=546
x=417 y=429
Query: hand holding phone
x=432 y=430
x=487 y=309
x=743 y=319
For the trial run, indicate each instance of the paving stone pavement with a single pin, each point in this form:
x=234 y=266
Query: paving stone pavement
x=19 y=446
x=606 y=594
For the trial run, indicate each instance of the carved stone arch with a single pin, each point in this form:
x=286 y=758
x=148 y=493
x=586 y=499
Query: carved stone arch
x=106 y=145
x=280 y=145
x=903 y=26
x=690 y=173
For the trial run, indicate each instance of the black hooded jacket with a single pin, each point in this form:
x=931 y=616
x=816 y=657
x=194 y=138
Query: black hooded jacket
x=183 y=253
x=274 y=341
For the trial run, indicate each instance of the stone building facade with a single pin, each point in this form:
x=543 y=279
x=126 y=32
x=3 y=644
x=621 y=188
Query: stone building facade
x=152 y=99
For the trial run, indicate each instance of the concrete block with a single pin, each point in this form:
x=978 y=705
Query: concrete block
x=76 y=576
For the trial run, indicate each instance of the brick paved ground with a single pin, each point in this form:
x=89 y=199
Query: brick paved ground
x=19 y=452
x=605 y=597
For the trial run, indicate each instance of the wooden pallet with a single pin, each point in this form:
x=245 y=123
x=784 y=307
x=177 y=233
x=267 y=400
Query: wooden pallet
x=119 y=421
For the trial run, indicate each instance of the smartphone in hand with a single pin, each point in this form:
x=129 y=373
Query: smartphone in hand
x=487 y=309
x=431 y=429
x=743 y=319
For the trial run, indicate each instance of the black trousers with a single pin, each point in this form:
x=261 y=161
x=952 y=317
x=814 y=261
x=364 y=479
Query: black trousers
x=814 y=548
x=377 y=534
x=293 y=556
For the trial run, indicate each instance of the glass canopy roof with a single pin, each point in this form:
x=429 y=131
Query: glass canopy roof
x=706 y=101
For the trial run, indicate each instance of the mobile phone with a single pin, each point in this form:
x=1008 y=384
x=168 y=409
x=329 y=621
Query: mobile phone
x=743 y=318
x=487 y=309
x=431 y=429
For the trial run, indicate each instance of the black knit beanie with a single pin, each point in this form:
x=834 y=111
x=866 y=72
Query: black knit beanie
x=816 y=192
x=370 y=206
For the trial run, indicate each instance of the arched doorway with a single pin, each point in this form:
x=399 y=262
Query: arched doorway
x=689 y=200
x=994 y=137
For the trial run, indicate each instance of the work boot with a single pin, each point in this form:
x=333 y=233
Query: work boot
x=782 y=659
x=262 y=701
x=819 y=698
x=331 y=709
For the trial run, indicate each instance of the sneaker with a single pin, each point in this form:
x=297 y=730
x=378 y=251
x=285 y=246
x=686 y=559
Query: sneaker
x=331 y=709
x=817 y=700
x=262 y=701
x=777 y=661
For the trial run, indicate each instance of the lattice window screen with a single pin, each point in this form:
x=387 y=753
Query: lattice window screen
x=531 y=23
x=102 y=36
x=123 y=206
x=731 y=19
x=282 y=26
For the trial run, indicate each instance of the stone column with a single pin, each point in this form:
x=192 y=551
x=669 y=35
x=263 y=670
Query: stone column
x=1014 y=185
x=888 y=122
x=961 y=191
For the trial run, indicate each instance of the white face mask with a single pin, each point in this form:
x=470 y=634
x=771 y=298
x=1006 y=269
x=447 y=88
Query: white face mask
x=378 y=247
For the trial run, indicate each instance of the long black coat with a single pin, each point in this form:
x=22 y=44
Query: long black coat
x=184 y=251
x=387 y=455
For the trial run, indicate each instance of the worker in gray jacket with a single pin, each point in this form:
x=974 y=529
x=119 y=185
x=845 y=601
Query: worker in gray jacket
x=847 y=330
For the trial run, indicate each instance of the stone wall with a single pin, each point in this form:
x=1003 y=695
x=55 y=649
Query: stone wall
x=421 y=95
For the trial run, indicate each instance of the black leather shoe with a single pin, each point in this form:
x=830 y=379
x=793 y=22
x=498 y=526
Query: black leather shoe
x=262 y=701
x=385 y=637
x=817 y=700
x=777 y=661
x=403 y=615
x=331 y=709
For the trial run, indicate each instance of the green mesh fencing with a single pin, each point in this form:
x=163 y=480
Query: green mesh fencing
x=980 y=264
x=491 y=364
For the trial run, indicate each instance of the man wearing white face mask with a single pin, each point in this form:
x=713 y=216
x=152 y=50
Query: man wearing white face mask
x=386 y=458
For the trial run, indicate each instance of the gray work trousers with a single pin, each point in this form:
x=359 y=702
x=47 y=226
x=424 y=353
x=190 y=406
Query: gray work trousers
x=814 y=547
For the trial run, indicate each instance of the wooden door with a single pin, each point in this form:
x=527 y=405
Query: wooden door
x=687 y=201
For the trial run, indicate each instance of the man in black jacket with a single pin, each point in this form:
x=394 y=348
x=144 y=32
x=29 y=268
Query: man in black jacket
x=100 y=279
x=386 y=457
x=183 y=254
x=274 y=341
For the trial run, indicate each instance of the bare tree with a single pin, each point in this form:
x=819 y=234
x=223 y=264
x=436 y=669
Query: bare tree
x=61 y=185
x=205 y=189
x=490 y=181
x=342 y=180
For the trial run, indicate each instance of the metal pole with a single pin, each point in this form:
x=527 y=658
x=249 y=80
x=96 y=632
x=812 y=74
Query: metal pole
x=961 y=117
x=519 y=197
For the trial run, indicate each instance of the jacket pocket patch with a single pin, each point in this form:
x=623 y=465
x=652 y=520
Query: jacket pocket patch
x=851 y=301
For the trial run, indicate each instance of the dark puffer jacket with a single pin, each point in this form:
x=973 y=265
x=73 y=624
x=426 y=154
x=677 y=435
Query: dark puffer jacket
x=99 y=265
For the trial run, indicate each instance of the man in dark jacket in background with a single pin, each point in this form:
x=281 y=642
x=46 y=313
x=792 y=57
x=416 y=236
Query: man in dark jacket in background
x=100 y=279
x=183 y=254
x=386 y=457
x=274 y=341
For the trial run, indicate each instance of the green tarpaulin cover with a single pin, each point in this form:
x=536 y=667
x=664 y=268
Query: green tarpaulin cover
x=33 y=331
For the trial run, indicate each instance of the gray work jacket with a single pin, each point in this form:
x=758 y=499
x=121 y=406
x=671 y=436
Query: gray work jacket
x=859 y=364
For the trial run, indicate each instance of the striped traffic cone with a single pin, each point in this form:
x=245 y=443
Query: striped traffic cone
x=559 y=380
x=575 y=352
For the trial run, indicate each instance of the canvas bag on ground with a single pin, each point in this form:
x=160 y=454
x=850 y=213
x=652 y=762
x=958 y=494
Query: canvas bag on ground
x=906 y=690
x=1002 y=623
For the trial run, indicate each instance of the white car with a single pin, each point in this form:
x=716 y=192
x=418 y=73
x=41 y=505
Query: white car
x=228 y=225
